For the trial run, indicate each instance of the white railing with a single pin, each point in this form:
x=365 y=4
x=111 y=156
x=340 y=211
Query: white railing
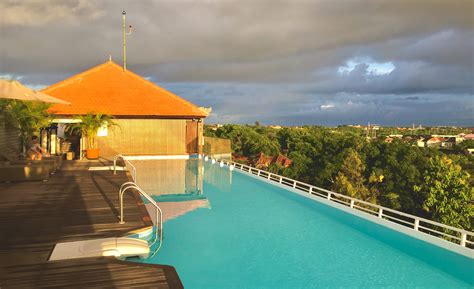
x=159 y=214
x=133 y=170
x=452 y=234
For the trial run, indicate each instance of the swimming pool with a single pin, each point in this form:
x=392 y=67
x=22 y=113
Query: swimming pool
x=225 y=229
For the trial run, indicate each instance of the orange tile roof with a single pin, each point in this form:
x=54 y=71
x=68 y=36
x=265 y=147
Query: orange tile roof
x=108 y=89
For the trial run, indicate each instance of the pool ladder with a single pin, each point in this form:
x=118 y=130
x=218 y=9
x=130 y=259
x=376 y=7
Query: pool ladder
x=159 y=214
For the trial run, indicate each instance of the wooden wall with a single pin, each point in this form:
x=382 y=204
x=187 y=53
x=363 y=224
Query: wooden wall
x=214 y=145
x=192 y=136
x=144 y=137
x=9 y=138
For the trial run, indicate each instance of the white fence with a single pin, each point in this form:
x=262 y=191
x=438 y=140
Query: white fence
x=454 y=235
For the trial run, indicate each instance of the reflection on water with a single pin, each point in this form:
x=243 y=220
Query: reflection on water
x=169 y=177
x=177 y=185
x=221 y=178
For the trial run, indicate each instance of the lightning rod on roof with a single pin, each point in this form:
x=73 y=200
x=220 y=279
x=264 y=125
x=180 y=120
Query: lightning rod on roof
x=124 y=41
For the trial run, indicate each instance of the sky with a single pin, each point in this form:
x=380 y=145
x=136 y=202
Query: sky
x=293 y=62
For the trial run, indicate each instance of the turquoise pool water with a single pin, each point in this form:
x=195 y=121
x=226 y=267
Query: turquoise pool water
x=252 y=234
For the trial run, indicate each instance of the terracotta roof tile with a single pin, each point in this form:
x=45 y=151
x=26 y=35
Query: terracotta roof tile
x=108 y=89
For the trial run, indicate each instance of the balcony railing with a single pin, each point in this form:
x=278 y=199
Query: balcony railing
x=452 y=234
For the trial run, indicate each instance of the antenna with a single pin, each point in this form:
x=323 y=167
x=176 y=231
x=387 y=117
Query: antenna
x=124 y=41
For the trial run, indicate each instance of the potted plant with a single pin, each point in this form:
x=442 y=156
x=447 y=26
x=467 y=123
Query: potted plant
x=88 y=126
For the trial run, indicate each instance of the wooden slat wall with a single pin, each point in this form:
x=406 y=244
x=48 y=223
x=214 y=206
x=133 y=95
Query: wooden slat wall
x=214 y=145
x=9 y=137
x=192 y=137
x=144 y=137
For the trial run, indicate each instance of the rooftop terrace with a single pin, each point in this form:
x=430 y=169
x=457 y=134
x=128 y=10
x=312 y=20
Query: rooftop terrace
x=75 y=204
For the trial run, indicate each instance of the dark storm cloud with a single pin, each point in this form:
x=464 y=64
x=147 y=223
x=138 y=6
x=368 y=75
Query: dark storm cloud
x=244 y=57
x=274 y=104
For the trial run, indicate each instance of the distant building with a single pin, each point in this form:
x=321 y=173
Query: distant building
x=469 y=136
x=449 y=143
x=275 y=126
x=264 y=161
x=240 y=159
x=388 y=139
x=282 y=161
x=420 y=142
x=434 y=142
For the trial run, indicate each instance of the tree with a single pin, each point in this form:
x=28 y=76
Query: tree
x=28 y=116
x=351 y=181
x=448 y=197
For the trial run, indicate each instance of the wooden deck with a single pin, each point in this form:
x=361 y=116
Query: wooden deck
x=74 y=204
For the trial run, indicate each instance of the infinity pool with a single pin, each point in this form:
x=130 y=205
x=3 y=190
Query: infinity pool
x=225 y=229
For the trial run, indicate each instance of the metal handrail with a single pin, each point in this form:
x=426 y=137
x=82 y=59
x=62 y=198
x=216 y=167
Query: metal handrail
x=159 y=213
x=375 y=210
x=134 y=169
x=133 y=185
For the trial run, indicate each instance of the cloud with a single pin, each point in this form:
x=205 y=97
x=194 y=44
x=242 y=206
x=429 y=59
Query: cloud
x=291 y=105
x=256 y=55
x=326 y=106
x=38 y=13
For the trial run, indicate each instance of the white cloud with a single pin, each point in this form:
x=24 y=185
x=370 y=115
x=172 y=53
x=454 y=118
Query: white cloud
x=327 y=106
x=373 y=67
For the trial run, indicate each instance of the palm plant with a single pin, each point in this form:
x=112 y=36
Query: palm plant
x=89 y=125
x=27 y=116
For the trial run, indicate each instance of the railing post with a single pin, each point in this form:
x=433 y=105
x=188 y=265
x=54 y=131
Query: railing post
x=269 y=175
x=294 y=184
x=417 y=224
x=258 y=173
x=380 y=212
x=310 y=190
x=115 y=165
x=329 y=196
x=281 y=179
x=352 y=203
x=463 y=239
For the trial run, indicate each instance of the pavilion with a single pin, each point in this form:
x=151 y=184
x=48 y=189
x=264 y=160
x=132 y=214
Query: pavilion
x=151 y=120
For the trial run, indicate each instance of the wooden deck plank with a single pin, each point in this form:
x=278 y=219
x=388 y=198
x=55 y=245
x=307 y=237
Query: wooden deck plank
x=74 y=204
